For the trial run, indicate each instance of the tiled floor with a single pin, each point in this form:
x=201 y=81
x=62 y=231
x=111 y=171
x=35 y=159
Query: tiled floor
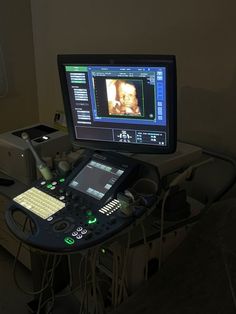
x=14 y=301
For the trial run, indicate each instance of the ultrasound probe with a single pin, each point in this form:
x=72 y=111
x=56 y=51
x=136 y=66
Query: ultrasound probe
x=42 y=167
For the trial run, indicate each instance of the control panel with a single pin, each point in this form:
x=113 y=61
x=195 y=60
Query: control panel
x=82 y=210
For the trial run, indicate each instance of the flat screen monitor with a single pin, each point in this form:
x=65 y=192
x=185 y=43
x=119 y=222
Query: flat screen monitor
x=120 y=102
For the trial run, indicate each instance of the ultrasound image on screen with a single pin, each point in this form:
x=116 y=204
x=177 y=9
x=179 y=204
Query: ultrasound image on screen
x=96 y=179
x=132 y=98
x=125 y=97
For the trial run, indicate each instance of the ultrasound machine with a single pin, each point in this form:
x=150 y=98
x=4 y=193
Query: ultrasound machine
x=116 y=106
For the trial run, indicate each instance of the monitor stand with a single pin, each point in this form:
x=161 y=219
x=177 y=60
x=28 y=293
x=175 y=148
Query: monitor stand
x=184 y=156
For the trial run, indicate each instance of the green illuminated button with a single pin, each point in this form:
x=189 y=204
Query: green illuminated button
x=89 y=213
x=69 y=241
x=62 y=180
x=92 y=220
x=49 y=186
x=70 y=68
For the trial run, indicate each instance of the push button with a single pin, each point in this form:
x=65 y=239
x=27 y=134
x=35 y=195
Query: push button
x=69 y=241
x=92 y=220
x=60 y=226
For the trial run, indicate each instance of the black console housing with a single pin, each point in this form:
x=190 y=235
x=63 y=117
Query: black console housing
x=89 y=217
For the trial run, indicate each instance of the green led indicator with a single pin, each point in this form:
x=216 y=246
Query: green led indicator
x=49 y=186
x=69 y=241
x=89 y=213
x=62 y=180
x=92 y=221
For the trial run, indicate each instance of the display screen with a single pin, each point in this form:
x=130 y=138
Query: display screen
x=96 y=179
x=130 y=105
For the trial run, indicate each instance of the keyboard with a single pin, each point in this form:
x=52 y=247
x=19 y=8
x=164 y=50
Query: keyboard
x=39 y=203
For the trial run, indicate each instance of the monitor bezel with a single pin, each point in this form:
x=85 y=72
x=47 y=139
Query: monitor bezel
x=168 y=61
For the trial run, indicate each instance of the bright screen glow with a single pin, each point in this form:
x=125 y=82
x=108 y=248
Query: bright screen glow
x=103 y=178
x=120 y=102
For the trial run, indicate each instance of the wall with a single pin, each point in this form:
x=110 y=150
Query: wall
x=199 y=33
x=20 y=107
